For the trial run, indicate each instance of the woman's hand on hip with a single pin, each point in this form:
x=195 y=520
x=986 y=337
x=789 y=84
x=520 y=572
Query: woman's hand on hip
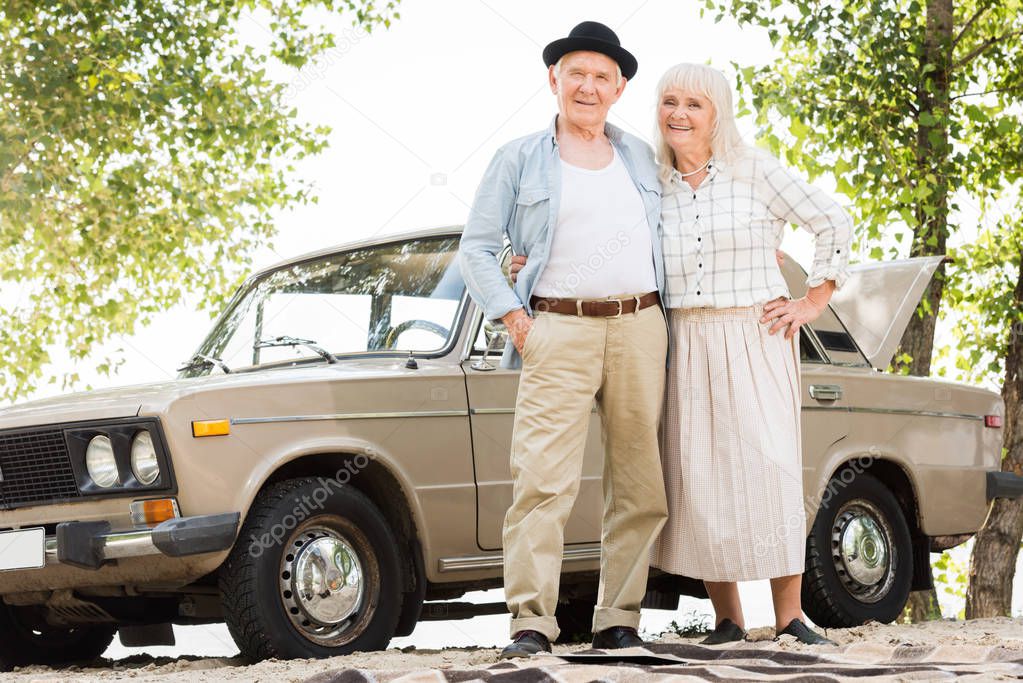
x=798 y=312
x=792 y=312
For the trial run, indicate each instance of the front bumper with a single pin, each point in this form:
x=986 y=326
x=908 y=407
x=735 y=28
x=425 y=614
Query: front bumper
x=90 y=545
x=1004 y=485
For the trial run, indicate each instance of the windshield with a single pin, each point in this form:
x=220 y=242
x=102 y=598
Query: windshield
x=400 y=297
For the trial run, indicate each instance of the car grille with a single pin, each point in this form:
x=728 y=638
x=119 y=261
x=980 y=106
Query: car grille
x=35 y=468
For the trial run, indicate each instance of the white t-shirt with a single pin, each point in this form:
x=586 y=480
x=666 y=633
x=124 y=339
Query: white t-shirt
x=601 y=243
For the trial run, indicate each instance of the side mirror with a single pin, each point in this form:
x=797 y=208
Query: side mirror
x=497 y=336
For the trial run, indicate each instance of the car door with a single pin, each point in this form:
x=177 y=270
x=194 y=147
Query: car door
x=825 y=350
x=492 y=391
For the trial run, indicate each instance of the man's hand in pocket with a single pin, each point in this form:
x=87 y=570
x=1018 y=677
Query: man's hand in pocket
x=518 y=324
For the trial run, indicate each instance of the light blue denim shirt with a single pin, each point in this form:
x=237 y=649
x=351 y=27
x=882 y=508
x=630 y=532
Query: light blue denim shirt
x=518 y=197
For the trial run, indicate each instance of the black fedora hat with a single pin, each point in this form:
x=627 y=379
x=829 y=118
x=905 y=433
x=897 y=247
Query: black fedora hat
x=595 y=37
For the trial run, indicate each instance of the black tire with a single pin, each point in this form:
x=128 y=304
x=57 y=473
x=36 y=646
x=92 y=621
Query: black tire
x=289 y=527
x=412 y=601
x=869 y=578
x=26 y=639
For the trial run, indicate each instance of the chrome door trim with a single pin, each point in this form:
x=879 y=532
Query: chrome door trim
x=897 y=411
x=496 y=560
x=509 y=411
x=349 y=416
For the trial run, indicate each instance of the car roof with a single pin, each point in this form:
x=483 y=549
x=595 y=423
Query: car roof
x=442 y=231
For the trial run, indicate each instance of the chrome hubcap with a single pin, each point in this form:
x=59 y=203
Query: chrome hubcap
x=862 y=551
x=322 y=583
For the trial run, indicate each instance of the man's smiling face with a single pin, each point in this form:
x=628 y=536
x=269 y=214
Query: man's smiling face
x=586 y=86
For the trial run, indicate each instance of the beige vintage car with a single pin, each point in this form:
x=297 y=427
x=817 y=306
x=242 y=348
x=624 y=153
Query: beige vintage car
x=331 y=467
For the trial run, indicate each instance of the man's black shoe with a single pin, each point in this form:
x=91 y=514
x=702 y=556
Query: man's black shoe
x=725 y=632
x=617 y=637
x=803 y=634
x=525 y=644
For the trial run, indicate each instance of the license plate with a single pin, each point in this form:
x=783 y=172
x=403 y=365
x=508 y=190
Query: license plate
x=22 y=549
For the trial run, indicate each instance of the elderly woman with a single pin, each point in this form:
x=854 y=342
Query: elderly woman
x=730 y=442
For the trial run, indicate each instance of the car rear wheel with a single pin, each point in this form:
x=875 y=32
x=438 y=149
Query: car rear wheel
x=859 y=560
x=314 y=573
x=25 y=638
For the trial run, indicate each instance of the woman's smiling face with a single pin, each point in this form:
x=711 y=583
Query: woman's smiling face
x=686 y=120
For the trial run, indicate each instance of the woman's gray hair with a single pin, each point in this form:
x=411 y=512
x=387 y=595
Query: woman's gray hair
x=726 y=143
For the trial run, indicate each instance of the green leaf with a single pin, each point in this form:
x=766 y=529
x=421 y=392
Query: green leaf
x=154 y=154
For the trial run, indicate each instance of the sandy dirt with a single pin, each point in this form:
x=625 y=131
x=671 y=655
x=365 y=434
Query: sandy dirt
x=948 y=641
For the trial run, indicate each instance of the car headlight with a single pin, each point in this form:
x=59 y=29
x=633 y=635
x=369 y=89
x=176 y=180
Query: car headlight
x=143 y=458
x=99 y=461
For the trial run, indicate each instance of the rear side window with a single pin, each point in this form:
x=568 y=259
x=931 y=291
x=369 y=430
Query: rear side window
x=836 y=341
x=807 y=351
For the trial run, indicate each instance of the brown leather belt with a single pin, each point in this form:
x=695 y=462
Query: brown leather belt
x=601 y=308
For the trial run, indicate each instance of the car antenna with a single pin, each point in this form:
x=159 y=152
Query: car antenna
x=411 y=363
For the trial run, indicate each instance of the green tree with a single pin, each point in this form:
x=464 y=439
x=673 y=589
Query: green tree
x=143 y=150
x=985 y=290
x=912 y=106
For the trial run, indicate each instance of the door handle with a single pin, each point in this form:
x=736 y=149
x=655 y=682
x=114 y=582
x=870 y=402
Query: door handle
x=825 y=392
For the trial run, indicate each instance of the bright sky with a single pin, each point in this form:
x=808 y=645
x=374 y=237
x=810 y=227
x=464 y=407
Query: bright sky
x=418 y=110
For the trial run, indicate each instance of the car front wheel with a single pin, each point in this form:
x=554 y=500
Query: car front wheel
x=859 y=559
x=315 y=573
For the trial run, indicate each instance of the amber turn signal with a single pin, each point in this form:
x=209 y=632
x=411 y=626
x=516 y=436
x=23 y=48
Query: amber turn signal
x=148 y=512
x=210 y=428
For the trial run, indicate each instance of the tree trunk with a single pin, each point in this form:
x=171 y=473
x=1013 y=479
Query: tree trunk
x=933 y=153
x=997 y=545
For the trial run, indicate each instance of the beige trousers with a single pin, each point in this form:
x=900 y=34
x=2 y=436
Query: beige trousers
x=567 y=362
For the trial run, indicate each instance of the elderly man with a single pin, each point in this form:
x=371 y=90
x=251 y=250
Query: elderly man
x=581 y=199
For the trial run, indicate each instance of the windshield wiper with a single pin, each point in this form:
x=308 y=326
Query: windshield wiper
x=292 y=341
x=201 y=360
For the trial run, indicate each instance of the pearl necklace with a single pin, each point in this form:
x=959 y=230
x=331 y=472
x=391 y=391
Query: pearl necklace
x=686 y=175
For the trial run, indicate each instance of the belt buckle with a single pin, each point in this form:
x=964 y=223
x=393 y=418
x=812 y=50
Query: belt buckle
x=620 y=308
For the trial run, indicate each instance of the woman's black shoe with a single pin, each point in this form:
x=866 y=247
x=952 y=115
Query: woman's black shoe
x=526 y=643
x=803 y=634
x=725 y=632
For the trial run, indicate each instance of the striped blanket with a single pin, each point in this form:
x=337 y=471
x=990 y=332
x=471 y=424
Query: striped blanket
x=754 y=661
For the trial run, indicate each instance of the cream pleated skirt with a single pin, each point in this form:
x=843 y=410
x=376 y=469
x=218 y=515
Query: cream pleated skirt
x=730 y=449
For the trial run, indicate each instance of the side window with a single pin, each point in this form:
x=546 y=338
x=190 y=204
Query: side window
x=480 y=344
x=807 y=351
